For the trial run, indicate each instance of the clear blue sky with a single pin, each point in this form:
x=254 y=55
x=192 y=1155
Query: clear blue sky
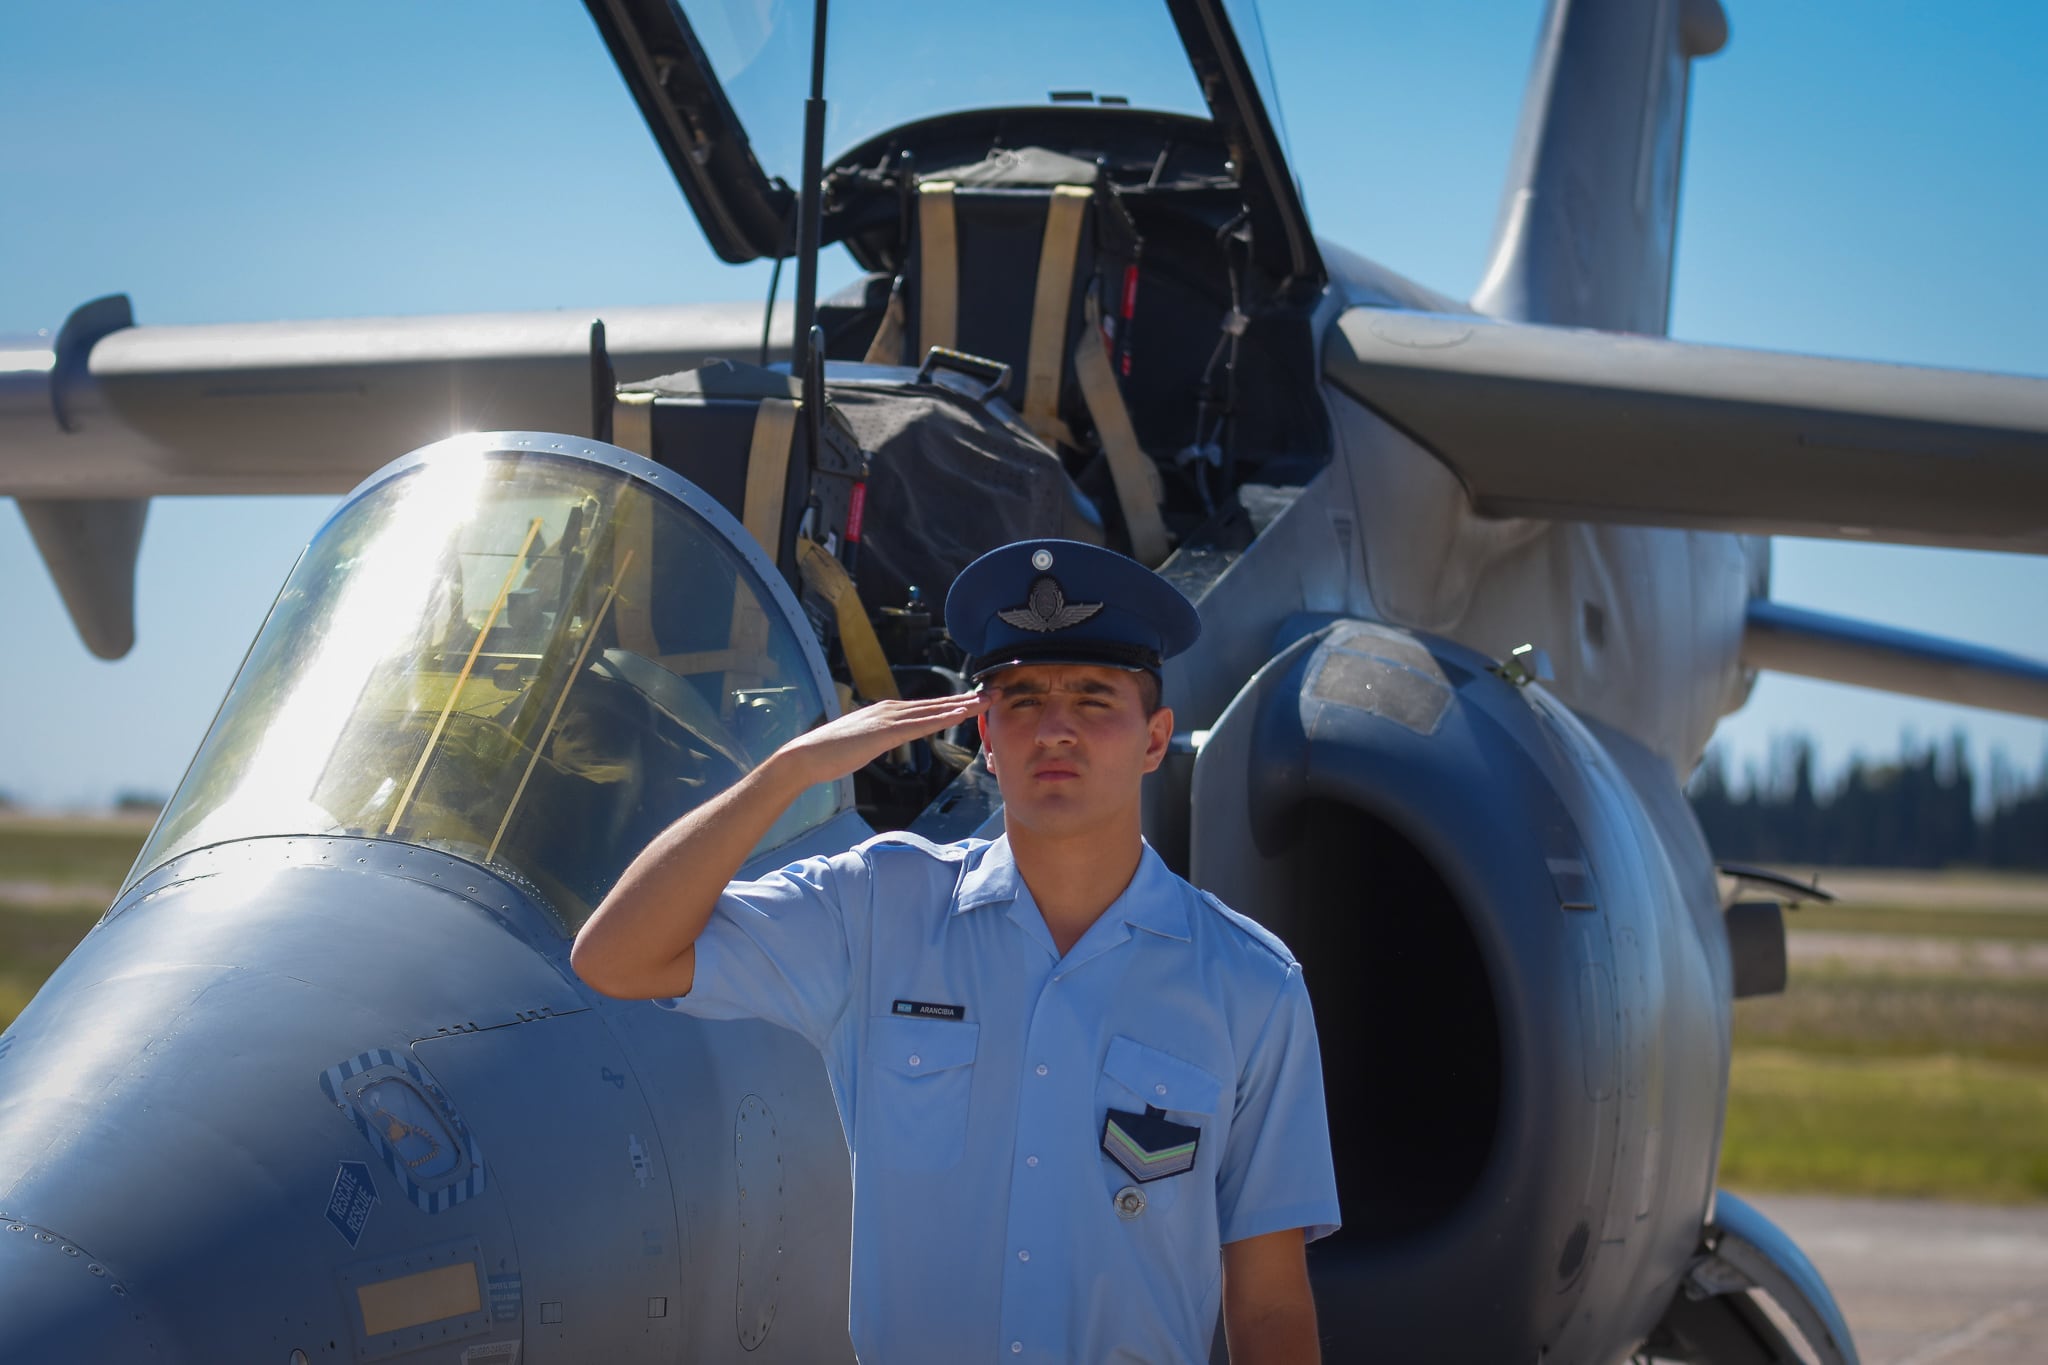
x=1864 y=178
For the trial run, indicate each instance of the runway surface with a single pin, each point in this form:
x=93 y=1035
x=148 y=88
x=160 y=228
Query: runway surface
x=1925 y=1283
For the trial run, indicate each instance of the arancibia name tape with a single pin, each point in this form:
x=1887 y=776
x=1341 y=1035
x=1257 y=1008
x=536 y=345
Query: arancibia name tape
x=924 y=1009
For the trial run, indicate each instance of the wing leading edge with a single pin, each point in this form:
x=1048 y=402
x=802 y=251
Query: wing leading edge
x=1593 y=426
x=312 y=407
x=118 y=414
x=1813 y=644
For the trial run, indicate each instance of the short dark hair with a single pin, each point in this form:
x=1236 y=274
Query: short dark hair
x=1148 y=692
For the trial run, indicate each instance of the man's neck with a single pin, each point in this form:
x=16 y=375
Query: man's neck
x=1076 y=877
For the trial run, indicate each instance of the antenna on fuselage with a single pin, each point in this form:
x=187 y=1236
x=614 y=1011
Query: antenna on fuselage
x=810 y=199
x=808 y=360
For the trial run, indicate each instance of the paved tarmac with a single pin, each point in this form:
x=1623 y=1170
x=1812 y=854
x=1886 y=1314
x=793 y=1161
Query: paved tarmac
x=1924 y=1283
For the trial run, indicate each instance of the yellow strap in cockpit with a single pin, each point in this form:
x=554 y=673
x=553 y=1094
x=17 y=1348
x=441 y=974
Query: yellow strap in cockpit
x=1051 y=306
x=938 y=267
x=825 y=576
x=768 y=472
x=887 y=346
x=1137 y=484
x=632 y=551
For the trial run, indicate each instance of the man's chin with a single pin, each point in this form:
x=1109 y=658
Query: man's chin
x=1052 y=814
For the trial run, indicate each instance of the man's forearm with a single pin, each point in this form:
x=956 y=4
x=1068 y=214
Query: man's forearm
x=1269 y=1310
x=639 y=943
x=1278 y=1336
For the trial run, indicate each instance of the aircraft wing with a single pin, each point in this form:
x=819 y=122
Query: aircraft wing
x=1786 y=639
x=1593 y=426
x=119 y=411
x=113 y=414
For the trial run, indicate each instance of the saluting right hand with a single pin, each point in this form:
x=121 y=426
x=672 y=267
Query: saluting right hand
x=859 y=737
x=639 y=944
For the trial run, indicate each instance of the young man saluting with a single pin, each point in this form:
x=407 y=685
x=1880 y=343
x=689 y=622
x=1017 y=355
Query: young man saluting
x=1083 y=1098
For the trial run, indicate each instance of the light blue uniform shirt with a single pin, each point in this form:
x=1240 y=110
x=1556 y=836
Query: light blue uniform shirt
x=986 y=1224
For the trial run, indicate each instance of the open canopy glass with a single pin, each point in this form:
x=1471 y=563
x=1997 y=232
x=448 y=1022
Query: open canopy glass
x=892 y=62
x=722 y=86
x=530 y=661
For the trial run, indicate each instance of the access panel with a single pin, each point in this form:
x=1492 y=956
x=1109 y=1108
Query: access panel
x=574 y=1153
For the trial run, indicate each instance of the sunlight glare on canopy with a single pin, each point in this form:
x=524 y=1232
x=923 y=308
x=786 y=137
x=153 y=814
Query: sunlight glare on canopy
x=398 y=569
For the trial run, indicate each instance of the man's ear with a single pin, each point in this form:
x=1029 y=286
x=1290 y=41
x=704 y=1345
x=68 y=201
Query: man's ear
x=1159 y=726
x=988 y=758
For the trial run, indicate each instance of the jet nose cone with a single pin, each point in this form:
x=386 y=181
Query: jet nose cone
x=191 y=1179
x=58 y=1302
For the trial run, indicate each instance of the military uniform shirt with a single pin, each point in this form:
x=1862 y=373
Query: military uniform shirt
x=975 y=1070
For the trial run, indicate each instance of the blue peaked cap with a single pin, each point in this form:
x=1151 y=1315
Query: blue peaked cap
x=1065 y=602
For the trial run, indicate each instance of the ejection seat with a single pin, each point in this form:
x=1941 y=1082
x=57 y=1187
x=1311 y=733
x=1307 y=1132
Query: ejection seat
x=1063 y=329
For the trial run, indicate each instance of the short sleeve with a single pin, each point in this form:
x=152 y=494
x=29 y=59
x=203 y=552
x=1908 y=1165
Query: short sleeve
x=778 y=948
x=1276 y=1172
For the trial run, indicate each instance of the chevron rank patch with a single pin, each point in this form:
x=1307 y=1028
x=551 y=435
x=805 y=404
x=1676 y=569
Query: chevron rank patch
x=1150 y=1146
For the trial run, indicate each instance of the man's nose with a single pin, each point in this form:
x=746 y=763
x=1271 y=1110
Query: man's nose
x=1055 y=724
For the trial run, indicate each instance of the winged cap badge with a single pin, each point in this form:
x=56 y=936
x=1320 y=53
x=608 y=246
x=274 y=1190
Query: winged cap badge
x=1047 y=608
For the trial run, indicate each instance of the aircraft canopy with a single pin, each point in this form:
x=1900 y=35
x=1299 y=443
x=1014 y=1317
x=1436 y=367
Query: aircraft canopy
x=1170 y=87
x=530 y=661
x=883 y=72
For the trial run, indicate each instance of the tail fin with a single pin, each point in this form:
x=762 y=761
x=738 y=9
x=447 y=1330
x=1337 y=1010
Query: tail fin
x=1589 y=218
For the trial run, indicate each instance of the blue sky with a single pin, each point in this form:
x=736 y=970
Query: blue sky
x=1864 y=178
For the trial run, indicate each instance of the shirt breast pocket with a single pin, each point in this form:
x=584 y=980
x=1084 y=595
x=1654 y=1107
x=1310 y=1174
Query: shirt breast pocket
x=920 y=1079
x=1136 y=1078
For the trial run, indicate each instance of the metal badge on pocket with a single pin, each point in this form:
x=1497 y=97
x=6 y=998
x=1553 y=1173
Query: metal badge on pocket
x=1150 y=1146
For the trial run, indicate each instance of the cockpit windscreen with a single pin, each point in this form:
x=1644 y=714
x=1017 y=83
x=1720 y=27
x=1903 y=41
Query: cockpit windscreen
x=531 y=662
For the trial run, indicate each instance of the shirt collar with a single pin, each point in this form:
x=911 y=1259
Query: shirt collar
x=991 y=880
x=1154 y=901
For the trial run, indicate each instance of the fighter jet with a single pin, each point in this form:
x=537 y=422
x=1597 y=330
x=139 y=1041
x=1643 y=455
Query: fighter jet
x=1478 y=579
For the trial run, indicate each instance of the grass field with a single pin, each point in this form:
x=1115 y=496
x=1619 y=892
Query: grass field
x=1879 y=1078
x=64 y=852
x=1871 y=1079
x=1923 y=921
x=56 y=877
x=1938 y=1126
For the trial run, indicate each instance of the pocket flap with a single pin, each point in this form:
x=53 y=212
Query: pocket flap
x=920 y=1047
x=1160 y=1079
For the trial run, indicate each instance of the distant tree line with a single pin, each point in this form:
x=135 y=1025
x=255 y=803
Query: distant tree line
x=1922 y=809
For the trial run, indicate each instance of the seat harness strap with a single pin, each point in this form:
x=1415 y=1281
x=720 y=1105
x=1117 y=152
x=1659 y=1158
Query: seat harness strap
x=1064 y=215
x=887 y=347
x=768 y=472
x=1138 y=490
x=938 y=278
x=826 y=577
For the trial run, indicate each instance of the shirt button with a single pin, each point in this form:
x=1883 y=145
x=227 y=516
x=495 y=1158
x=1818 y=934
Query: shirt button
x=916 y=1060
x=1016 y=1348
x=1041 y=1068
x=1023 y=1255
x=1030 y=1161
x=1160 y=1088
